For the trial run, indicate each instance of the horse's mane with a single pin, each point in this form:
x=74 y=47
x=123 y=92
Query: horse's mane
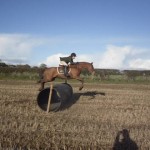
x=78 y=63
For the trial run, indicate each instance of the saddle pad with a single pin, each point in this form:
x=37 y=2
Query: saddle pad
x=60 y=70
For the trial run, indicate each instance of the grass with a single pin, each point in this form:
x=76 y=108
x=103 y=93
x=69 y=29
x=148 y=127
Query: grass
x=19 y=76
x=116 y=79
x=92 y=121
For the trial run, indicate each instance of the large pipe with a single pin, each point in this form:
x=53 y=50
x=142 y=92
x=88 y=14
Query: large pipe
x=61 y=95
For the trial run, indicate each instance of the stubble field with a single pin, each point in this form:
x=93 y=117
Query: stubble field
x=93 y=119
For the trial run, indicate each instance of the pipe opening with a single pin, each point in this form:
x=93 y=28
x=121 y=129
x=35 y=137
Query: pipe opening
x=61 y=96
x=43 y=97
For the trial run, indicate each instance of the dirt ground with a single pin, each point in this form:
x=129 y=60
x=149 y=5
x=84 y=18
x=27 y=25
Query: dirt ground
x=101 y=116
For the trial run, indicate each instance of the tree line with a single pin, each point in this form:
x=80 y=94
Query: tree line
x=101 y=74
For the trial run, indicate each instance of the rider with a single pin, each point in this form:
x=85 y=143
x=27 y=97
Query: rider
x=65 y=61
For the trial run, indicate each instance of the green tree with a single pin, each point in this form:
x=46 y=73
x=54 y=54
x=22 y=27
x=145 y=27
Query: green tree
x=43 y=65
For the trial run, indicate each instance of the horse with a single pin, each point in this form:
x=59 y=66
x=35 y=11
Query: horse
x=49 y=74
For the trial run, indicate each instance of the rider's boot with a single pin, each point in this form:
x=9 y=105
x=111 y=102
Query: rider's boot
x=66 y=71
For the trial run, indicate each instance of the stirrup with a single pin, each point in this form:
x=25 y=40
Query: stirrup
x=67 y=75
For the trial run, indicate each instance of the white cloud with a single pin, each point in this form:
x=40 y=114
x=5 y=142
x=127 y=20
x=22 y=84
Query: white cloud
x=114 y=57
x=125 y=57
x=85 y=58
x=15 y=48
x=53 y=60
x=140 y=64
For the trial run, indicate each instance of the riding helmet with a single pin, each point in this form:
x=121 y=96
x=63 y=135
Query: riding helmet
x=73 y=55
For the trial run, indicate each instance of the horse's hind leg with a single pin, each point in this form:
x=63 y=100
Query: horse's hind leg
x=42 y=85
x=81 y=87
x=43 y=81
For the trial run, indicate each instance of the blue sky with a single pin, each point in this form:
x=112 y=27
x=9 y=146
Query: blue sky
x=111 y=33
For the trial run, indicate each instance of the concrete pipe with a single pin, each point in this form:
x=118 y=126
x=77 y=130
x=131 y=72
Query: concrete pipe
x=61 y=95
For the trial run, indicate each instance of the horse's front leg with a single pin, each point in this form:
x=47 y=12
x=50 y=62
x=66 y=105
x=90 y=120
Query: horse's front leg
x=82 y=81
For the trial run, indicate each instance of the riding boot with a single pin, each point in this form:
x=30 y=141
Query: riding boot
x=66 y=71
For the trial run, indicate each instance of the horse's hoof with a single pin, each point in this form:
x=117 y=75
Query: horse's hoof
x=80 y=88
x=40 y=89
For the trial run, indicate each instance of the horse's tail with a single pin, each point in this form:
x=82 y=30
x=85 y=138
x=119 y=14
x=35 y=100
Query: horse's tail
x=41 y=71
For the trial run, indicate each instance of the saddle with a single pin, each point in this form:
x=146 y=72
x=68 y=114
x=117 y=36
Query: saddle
x=61 y=68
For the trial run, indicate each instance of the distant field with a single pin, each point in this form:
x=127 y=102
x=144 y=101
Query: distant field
x=92 y=121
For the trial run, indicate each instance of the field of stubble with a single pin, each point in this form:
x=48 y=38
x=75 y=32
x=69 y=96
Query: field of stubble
x=93 y=120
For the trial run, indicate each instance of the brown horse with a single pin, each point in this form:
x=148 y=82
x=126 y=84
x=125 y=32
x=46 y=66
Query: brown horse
x=49 y=74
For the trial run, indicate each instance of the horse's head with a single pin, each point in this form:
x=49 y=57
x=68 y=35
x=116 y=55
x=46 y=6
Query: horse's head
x=91 y=68
x=86 y=65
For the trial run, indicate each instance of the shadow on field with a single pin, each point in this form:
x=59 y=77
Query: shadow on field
x=124 y=142
x=76 y=97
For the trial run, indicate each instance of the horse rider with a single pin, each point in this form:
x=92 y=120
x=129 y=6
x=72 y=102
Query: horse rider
x=66 y=61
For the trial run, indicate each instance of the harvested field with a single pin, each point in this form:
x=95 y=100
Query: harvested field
x=91 y=121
